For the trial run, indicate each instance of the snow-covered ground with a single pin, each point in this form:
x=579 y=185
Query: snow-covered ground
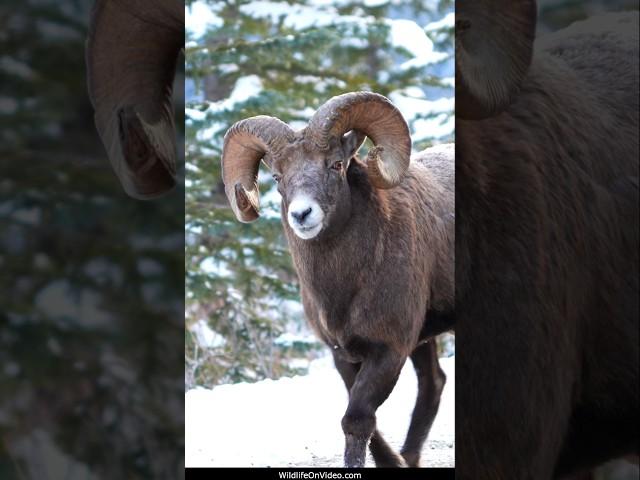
x=296 y=421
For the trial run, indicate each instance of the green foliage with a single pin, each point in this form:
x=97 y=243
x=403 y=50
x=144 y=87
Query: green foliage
x=254 y=61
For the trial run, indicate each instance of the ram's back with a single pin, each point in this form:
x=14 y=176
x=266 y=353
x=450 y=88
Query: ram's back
x=434 y=169
x=440 y=161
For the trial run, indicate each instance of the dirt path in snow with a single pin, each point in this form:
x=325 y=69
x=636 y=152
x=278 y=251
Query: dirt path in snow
x=435 y=454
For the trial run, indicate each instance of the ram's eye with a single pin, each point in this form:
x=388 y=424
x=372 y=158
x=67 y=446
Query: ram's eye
x=277 y=177
x=337 y=165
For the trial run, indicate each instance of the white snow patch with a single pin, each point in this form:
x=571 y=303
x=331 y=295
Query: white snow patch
x=227 y=68
x=449 y=81
x=343 y=3
x=300 y=17
x=448 y=21
x=245 y=88
x=199 y=17
x=354 y=42
x=270 y=202
x=411 y=107
x=291 y=421
x=215 y=267
x=407 y=34
x=288 y=339
x=413 y=92
x=205 y=336
x=330 y=3
x=194 y=114
x=439 y=126
x=295 y=16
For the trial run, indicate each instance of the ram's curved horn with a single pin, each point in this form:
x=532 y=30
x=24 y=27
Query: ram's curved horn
x=131 y=56
x=376 y=117
x=245 y=144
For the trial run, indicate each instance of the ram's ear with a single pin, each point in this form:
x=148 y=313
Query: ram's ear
x=351 y=143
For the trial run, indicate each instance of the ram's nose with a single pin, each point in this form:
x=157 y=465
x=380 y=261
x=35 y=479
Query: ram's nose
x=305 y=216
x=301 y=215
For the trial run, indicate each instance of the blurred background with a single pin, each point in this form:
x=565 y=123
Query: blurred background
x=243 y=316
x=91 y=281
x=554 y=15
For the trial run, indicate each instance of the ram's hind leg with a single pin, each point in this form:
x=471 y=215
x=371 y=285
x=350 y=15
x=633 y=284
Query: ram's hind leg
x=431 y=380
x=382 y=453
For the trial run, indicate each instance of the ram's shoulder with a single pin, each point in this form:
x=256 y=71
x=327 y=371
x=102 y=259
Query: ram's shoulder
x=441 y=155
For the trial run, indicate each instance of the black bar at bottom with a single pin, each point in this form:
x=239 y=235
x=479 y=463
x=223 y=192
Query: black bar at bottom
x=324 y=473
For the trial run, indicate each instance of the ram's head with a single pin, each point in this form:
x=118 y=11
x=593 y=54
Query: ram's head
x=132 y=52
x=311 y=165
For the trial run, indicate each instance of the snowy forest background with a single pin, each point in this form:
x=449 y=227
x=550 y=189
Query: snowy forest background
x=243 y=316
x=92 y=281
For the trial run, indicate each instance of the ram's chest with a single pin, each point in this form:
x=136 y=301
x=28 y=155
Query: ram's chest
x=328 y=311
x=337 y=336
x=333 y=317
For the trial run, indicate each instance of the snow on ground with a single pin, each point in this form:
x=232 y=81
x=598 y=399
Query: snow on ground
x=296 y=421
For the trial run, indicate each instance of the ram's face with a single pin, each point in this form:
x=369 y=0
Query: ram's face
x=313 y=184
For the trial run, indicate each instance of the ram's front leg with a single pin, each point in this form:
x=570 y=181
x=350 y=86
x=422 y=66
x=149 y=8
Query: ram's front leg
x=374 y=382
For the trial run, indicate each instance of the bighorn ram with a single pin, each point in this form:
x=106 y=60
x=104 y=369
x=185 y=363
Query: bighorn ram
x=132 y=53
x=372 y=243
x=547 y=252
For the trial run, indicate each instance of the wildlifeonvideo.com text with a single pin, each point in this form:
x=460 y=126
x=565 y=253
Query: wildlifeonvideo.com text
x=317 y=475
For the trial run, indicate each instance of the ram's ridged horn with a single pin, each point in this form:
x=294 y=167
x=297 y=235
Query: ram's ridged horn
x=132 y=51
x=376 y=117
x=245 y=144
